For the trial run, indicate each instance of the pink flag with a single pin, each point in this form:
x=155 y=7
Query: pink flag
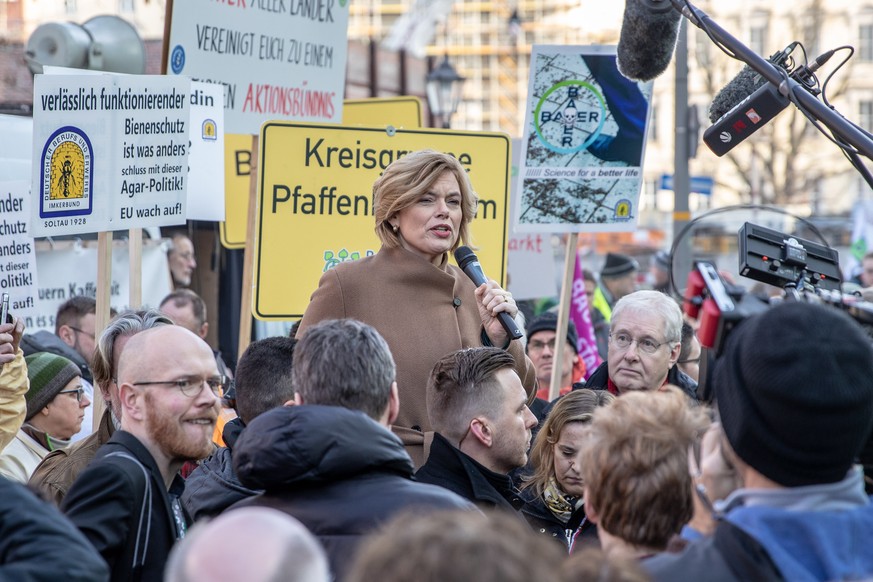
x=580 y=314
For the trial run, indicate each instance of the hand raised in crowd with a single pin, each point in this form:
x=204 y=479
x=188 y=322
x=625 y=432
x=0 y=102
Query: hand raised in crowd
x=493 y=299
x=10 y=337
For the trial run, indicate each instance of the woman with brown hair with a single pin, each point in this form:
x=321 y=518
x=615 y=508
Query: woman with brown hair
x=553 y=491
x=424 y=307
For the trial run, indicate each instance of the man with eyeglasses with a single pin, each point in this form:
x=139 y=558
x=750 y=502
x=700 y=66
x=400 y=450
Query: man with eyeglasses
x=644 y=345
x=57 y=472
x=127 y=501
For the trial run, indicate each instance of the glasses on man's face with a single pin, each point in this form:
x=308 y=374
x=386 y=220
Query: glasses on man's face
x=190 y=386
x=646 y=345
x=538 y=346
x=79 y=392
x=82 y=331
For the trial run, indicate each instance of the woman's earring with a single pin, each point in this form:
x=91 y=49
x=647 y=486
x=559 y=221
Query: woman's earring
x=394 y=228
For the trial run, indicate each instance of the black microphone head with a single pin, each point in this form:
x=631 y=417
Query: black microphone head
x=649 y=31
x=740 y=87
x=464 y=256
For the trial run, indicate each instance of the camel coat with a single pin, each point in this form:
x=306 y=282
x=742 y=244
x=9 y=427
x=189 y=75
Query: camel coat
x=424 y=312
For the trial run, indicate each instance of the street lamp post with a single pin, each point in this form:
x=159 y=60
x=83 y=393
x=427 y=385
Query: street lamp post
x=444 y=86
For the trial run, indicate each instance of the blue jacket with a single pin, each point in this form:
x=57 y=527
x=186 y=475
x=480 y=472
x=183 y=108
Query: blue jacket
x=820 y=532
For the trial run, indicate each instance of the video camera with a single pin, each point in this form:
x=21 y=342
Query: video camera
x=806 y=270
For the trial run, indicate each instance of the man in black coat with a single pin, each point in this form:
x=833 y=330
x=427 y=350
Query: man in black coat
x=332 y=461
x=644 y=345
x=127 y=501
x=478 y=408
x=38 y=543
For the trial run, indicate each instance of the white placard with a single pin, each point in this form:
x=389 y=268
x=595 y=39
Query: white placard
x=110 y=152
x=276 y=59
x=17 y=256
x=584 y=143
x=69 y=269
x=206 y=160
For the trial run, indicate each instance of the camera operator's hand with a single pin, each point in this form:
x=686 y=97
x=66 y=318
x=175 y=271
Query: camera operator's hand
x=717 y=475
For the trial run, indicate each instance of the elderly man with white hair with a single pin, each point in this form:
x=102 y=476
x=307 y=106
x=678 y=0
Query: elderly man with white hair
x=644 y=345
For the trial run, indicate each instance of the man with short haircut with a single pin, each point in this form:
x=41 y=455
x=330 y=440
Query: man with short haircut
x=181 y=259
x=644 y=345
x=795 y=399
x=265 y=546
x=61 y=468
x=127 y=501
x=618 y=278
x=332 y=461
x=263 y=382
x=638 y=489
x=545 y=352
x=478 y=408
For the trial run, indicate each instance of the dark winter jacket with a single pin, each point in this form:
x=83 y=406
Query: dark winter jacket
x=213 y=486
x=46 y=341
x=38 y=544
x=456 y=471
x=599 y=380
x=107 y=501
x=336 y=470
x=575 y=535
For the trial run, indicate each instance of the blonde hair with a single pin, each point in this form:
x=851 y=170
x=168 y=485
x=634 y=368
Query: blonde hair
x=406 y=179
x=635 y=465
x=577 y=406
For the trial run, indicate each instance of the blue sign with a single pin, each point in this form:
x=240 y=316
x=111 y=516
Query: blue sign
x=699 y=184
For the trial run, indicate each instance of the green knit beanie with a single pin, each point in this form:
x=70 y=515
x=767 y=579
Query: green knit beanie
x=48 y=375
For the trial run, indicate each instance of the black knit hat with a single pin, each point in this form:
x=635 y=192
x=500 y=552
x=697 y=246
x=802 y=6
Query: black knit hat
x=662 y=260
x=48 y=374
x=794 y=390
x=548 y=321
x=618 y=264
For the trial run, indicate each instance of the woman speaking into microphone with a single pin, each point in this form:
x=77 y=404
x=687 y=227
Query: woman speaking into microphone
x=424 y=307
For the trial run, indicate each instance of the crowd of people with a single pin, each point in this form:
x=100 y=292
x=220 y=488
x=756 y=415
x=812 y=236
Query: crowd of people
x=402 y=434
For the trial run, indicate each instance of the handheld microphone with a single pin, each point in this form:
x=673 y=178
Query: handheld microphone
x=469 y=263
x=649 y=30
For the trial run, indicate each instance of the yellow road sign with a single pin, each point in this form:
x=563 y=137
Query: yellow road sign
x=315 y=202
x=400 y=112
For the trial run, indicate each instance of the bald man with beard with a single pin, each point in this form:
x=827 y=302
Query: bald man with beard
x=127 y=501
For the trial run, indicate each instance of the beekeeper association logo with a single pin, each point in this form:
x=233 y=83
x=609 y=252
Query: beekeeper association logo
x=66 y=188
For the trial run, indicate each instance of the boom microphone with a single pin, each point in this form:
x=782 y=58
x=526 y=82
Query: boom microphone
x=757 y=108
x=745 y=83
x=649 y=30
x=469 y=263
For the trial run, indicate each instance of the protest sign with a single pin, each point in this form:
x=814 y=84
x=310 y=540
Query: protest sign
x=315 y=202
x=274 y=60
x=585 y=135
x=110 y=151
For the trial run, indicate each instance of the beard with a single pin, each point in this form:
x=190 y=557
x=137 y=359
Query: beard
x=168 y=433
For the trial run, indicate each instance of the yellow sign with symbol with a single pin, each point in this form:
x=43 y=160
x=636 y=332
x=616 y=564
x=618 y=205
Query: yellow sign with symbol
x=315 y=202
x=400 y=112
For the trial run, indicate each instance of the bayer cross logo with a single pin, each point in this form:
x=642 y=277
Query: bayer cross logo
x=569 y=116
